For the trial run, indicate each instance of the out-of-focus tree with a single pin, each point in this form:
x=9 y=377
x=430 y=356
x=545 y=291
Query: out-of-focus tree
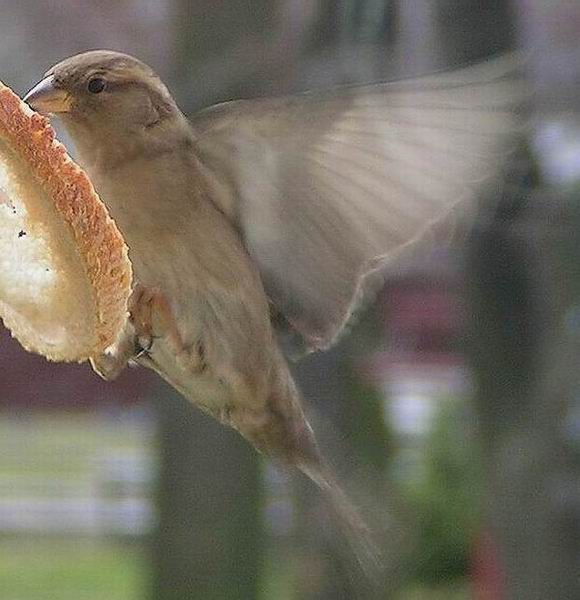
x=527 y=388
x=209 y=542
x=236 y=49
x=524 y=363
x=469 y=30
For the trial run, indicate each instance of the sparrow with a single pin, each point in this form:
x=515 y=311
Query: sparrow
x=258 y=228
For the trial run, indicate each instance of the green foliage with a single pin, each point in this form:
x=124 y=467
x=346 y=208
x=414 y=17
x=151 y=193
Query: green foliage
x=371 y=439
x=446 y=499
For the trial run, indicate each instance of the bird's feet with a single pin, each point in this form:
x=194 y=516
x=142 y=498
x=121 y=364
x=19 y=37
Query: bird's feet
x=136 y=338
x=151 y=318
x=113 y=361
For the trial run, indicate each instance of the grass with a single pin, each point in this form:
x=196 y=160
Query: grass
x=62 y=445
x=50 y=569
x=62 y=569
x=54 y=449
x=68 y=448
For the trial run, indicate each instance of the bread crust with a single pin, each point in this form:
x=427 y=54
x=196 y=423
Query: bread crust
x=99 y=244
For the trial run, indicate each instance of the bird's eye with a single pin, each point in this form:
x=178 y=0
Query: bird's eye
x=96 y=85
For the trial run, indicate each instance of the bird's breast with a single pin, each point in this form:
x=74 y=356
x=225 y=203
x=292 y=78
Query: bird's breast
x=181 y=244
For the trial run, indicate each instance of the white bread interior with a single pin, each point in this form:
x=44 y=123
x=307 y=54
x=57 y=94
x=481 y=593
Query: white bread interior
x=65 y=277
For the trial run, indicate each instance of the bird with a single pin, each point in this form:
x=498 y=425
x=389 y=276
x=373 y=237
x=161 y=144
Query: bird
x=259 y=228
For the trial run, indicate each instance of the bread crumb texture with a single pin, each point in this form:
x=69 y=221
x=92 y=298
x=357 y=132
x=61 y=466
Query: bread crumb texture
x=65 y=275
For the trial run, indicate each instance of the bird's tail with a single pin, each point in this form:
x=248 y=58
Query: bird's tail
x=354 y=529
x=284 y=434
x=303 y=453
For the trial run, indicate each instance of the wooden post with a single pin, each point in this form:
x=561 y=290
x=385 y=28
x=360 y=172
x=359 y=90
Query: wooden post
x=209 y=540
x=525 y=361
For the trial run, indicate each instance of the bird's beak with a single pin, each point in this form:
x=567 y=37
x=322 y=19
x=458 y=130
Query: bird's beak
x=46 y=98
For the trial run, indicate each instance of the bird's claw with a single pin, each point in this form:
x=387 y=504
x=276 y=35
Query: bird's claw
x=135 y=341
x=143 y=345
x=111 y=363
x=151 y=318
x=141 y=306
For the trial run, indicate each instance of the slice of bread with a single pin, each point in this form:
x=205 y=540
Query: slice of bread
x=65 y=276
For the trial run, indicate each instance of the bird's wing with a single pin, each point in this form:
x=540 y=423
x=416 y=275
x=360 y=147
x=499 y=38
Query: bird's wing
x=326 y=188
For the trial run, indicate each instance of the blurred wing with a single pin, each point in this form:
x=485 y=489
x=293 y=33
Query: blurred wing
x=326 y=188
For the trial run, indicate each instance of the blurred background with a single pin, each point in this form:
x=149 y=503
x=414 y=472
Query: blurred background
x=452 y=411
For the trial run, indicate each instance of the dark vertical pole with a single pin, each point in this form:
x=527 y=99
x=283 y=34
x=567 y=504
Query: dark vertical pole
x=525 y=366
x=470 y=30
x=209 y=541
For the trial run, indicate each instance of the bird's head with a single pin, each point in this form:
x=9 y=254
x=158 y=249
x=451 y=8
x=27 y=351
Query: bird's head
x=103 y=92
